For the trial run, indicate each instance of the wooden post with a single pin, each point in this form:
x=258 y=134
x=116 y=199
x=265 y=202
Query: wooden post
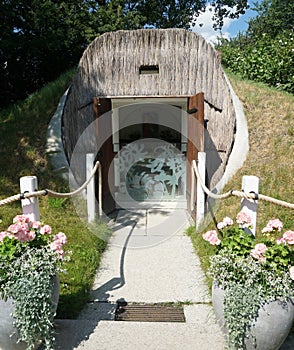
x=250 y=184
x=30 y=206
x=200 y=211
x=91 y=200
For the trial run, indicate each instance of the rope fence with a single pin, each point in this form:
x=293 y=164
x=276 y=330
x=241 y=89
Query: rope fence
x=97 y=166
x=239 y=194
x=54 y=194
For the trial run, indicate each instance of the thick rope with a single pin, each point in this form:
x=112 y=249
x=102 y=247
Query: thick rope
x=239 y=194
x=51 y=193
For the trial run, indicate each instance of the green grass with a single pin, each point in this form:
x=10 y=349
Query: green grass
x=23 y=129
x=270 y=118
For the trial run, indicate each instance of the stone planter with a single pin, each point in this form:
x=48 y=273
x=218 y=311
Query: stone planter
x=8 y=333
x=270 y=329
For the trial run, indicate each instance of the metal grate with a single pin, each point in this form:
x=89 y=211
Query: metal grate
x=149 y=313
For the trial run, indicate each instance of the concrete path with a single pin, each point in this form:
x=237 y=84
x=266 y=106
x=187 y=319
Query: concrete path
x=149 y=260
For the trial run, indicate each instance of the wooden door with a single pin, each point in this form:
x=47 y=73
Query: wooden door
x=195 y=144
x=105 y=154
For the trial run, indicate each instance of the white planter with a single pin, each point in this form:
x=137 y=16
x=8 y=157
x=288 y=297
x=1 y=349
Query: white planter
x=8 y=333
x=271 y=327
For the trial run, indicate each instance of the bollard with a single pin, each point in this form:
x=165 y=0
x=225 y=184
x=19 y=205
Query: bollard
x=91 y=200
x=30 y=206
x=200 y=210
x=250 y=184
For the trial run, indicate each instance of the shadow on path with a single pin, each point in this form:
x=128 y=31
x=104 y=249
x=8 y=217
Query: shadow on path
x=71 y=333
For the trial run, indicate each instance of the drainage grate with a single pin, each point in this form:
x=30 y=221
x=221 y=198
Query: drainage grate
x=149 y=313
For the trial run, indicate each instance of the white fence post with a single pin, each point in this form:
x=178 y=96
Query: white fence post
x=250 y=184
x=200 y=209
x=30 y=206
x=192 y=199
x=91 y=200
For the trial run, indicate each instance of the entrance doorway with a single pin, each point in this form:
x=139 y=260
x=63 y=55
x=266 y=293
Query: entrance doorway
x=150 y=163
x=148 y=155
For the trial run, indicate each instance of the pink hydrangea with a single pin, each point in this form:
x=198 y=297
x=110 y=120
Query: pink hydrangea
x=226 y=222
x=291 y=270
x=288 y=236
x=259 y=251
x=211 y=237
x=46 y=229
x=272 y=225
x=243 y=219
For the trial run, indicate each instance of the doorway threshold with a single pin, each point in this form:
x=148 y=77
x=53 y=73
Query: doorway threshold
x=152 y=204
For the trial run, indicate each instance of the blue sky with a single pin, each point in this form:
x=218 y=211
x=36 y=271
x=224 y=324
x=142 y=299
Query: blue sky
x=231 y=27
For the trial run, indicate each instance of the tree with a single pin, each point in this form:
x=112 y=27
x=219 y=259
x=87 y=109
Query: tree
x=39 y=39
x=273 y=17
x=265 y=52
x=184 y=13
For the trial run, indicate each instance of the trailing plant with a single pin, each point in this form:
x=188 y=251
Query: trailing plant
x=30 y=258
x=250 y=271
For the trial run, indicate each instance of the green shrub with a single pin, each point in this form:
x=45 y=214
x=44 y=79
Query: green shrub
x=268 y=60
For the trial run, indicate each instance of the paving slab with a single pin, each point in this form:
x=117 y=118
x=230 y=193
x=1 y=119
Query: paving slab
x=151 y=268
x=147 y=228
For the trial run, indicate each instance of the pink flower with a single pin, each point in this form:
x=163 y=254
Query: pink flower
x=226 y=222
x=211 y=237
x=36 y=225
x=221 y=225
x=281 y=241
x=272 y=225
x=4 y=234
x=259 y=251
x=56 y=245
x=60 y=253
x=291 y=270
x=15 y=228
x=243 y=219
x=21 y=219
x=31 y=235
x=61 y=237
x=21 y=236
x=22 y=232
x=45 y=229
x=288 y=236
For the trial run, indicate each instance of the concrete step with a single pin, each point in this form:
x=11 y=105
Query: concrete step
x=105 y=335
x=198 y=332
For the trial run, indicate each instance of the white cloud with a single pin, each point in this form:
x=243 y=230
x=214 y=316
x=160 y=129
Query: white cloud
x=204 y=26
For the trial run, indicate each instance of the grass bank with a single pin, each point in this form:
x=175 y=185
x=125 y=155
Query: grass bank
x=270 y=118
x=23 y=129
